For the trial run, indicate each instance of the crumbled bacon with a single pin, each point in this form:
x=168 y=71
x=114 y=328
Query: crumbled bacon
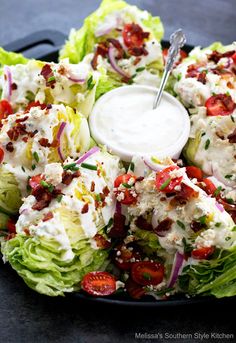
x=143 y=224
x=118 y=47
x=14 y=86
x=137 y=60
x=101 y=242
x=25 y=139
x=215 y=56
x=44 y=142
x=196 y=226
x=92 y=188
x=16 y=131
x=102 y=50
x=48 y=75
x=232 y=137
x=118 y=230
x=21 y=120
x=67 y=177
x=47 y=216
x=10 y=147
x=202 y=77
x=164 y=225
x=106 y=191
x=85 y=208
x=137 y=51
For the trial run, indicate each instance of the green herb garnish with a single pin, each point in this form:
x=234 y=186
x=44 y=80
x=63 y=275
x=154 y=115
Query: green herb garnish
x=234 y=228
x=89 y=166
x=165 y=184
x=36 y=156
x=227 y=238
x=207 y=144
x=131 y=166
x=187 y=247
x=229 y=201
x=138 y=70
x=228 y=176
x=217 y=191
x=90 y=83
x=126 y=185
x=51 y=78
x=23 y=169
x=202 y=219
x=59 y=197
x=33 y=166
x=218 y=224
x=71 y=166
x=180 y=224
x=232 y=118
x=47 y=185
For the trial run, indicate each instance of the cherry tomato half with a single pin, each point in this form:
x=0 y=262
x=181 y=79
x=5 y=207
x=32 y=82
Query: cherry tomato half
x=128 y=198
x=234 y=57
x=35 y=104
x=147 y=273
x=35 y=182
x=5 y=109
x=134 y=290
x=202 y=253
x=220 y=105
x=194 y=173
x=208 y=186
x=134 y=35
x=1 y=155
x=165 y=183
x=99 y=283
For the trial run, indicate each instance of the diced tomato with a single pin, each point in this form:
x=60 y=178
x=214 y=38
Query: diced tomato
x=128 y=198
x=134 y=35
x=165 y=183
x=234 y=57
x=1 y=155
x=220 y=105
x=208 y=186
x=147 y=273
x=11 y=226
x=194 y=173
x=202 y=253
x=35 y=104
x=134 y=290
x=35 y=182
x=5 y=109
x=99 y=283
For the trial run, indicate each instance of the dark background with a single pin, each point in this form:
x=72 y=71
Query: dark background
x=26 y=316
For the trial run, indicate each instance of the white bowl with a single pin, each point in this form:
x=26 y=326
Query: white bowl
x=126 y=154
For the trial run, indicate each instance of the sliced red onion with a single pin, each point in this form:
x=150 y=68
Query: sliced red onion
x=112 y=58
x=73 y=79
x=92 y=151
x=8 y=73
x=177 y=264
x=228 y=63
x=118 y=207
x=220 y=207
x=59 y=134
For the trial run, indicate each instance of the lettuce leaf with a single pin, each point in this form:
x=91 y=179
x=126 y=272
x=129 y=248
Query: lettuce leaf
x=39 y=262
x=10 y=196
x=11 y=58
x=214 y=277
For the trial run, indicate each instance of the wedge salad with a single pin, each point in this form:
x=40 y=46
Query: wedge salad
x=76 y=218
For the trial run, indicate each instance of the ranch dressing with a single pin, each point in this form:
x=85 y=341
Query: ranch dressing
x=125 y=121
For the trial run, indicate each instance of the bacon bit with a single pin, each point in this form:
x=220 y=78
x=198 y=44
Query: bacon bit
x=143 y=224
x=92 y=188
x=44 y=142
x=164 y=225
x=215 y=56
x=136 y=51
x=16 y=131
x=196 y=226
x=118 y=230
x=232 y=137
x=26 y=231
x=137 y=60
x=202 y=77
x=102 y=50
x=139 y=179
x=14 y=86
x=68 y=177
x=192 y=70
x=10 y=236
x=96 y=204
x=25 y=139
x=85 y=208
x=230 y=85
x=48 y=75
x=32 y=134
x=55 y=143
x=21 y=120
x=61 y=70
x=101 y=242
x=218 y=134
x=106 y=191
x=47 y=216
x=10 y=147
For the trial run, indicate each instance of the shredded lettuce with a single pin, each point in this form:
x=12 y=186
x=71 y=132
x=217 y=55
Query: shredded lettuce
x=10 y=196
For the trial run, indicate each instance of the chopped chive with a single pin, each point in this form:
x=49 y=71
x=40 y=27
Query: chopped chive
x=33 y=166
x=187 y=247
x=165 y=184
x=227 y=238
x=228 y=176
x=232 y=118
x=179 y=77
x=23 y=169
x=52 y=78
x=59 y=197
x=130 y=81
x=88 y=166
x=234 y=228
x=90 y=83
x=36 y=156
x=49 y=186
x=217 y=191
x=218 y=224
x=202 y=220
x=203 y=134
x=138 y=70
x=227 y=93
x=71 y=166
x=109 y=224
x=180 y=224
x=126 y=185
x=98 y=197
x=207 y=144
x=131 y=166
x=229 y=201
x=133 y=76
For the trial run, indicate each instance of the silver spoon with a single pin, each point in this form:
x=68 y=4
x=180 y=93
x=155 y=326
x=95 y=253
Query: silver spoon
x=177 y=40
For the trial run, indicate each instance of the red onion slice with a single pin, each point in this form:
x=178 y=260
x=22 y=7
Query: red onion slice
x=73 y=79
x=220 y=207
x=92 y=151
x=177 y=264
x=118 y=207
x=59 y=134
x=8 y=74
x=111 y=55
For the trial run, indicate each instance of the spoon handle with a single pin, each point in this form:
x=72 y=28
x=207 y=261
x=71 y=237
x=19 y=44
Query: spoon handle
x=177 y=40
